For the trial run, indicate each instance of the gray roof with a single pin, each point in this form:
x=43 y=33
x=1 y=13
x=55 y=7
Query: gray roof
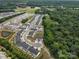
x=33 y=50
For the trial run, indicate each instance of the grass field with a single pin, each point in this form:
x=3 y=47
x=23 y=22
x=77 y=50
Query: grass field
x=27 y=10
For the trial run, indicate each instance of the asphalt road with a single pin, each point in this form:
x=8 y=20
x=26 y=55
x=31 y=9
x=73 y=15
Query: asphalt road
x=25 y=45
x=6 y=14
x=17 y=19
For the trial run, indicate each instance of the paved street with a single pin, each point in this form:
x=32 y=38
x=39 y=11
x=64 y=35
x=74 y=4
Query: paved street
x=20 y=37
x=15 y=22
x=25 y=30
x=6 y=14
x=17 y=19
x=3 y=55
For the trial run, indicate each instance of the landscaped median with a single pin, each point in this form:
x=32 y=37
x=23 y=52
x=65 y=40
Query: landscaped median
x=25 y=20
x=12 y=51
x=7 y=18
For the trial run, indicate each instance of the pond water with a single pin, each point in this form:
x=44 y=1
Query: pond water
x=5 y=33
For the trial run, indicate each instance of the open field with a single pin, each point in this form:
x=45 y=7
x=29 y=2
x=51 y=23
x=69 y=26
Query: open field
x=27 y=10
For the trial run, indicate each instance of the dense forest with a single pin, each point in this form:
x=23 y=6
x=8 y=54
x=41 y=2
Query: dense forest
x=12 y=51
x=11 y=4
x=53 y=3
x=61 y=28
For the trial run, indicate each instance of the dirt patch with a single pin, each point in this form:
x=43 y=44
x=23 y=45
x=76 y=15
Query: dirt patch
x=44 y=55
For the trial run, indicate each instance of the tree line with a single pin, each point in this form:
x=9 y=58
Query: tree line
x=61 y=33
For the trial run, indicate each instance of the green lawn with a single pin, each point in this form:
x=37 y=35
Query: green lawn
x=27 y=10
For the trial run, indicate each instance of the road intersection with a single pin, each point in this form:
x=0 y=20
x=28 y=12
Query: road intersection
x=21 y=37
x=24 y=30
